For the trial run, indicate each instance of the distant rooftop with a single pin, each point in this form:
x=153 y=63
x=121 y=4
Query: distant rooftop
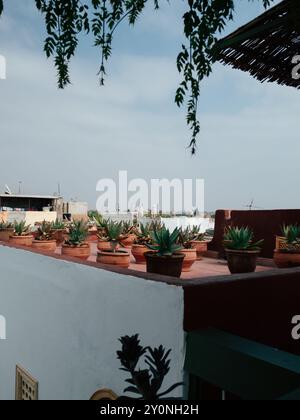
x=46 y=197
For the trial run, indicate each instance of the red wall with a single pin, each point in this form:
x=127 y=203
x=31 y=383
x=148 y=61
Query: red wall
x=265 y=224
x=258 y=306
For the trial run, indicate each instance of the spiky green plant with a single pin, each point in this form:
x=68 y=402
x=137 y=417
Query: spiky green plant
x=97 y=219
x=114 y=233
x=21 y=229
x=197 y=234
x=78 y=233
x=44 y=232
x=165 y=242
x=291 y=234
x=5 y=225
x=185 y=238
x=236 y=238
x=128 y=229
x=144 y=235
x=58 y=225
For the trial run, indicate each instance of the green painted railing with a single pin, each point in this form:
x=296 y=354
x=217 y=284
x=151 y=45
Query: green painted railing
x=241 y=368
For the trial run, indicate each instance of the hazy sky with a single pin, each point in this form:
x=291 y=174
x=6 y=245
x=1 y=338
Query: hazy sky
x=248 y=147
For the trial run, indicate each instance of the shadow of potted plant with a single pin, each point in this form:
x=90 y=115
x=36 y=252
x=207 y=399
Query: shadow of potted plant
x=22 y=235
x=188 y=249
x=241 y=251
x=288 y=252
x=165 y=258
x=76 y=244
x=146 y=384
x=113 y=255
x=44 y=240
x=6 y=230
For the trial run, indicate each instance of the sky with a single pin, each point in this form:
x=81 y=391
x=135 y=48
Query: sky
x=247 y=148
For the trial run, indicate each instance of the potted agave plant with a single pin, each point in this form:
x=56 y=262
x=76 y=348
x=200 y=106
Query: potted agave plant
x=140 y=247
x=165 y=257
x=6 y=230
x=58 y=230
x=114 y=256
x=241 y=251
x=190 y=253
x=22 y=235
x=198 y=241
x=76 y=245
x=129 y=235
x=44 y=240
x=288 y=252
x=104 y=241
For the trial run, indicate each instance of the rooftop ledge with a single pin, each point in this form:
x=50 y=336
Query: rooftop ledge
x=207 y=271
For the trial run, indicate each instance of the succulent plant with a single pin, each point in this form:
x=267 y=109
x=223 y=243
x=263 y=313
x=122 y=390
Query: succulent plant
x=236 y=238
x=292 y=238
x=44 y=232
x=196 y=233
x=97 y=219
x=128 y=229
x=78 y=233
x=146 y=383
x=144 y=235
x=185 y=238
x=58 y=225
x=21 y=229
x=165 y=242
x=6 y=225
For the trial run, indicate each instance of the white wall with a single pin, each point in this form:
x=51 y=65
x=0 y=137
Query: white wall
x=63 y=321
x=30 y=217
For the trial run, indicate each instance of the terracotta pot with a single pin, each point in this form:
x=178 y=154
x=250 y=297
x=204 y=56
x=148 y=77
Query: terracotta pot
x=21 y=240
x=119 y=258
x=82 y=252
x=138 y=252
x=59 y=235
x=201 y=248
x=166 y=266
x=93 y=235
x=129 y=241
x=105 y=246
x=5 y=234
x=190 y=257
x=241 y=261
x=286 y=259
x=47 y=246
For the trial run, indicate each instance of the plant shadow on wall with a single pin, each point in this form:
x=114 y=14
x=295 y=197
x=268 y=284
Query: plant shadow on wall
x=145 y=383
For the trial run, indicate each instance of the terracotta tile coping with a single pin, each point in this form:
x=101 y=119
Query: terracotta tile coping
x=187 y=282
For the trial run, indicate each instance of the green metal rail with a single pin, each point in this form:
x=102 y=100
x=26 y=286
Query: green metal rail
x=242 y=368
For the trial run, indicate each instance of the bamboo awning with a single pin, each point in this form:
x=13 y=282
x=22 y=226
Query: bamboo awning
x=268 y=46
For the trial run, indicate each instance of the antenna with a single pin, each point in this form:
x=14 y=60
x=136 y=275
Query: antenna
x=7 y=190
x=252 y=207
x=58 y=188
x=20 y=183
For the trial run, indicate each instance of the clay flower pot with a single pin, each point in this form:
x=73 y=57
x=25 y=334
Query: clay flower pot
x=5 y=234
x=118 y=258
x=105 y=246
x=138 y=251
x=190 y=257
x=47 y=246
x=21 y=240
x=241 y=261
x=59 y=235
x=201 y=248
x=286 y=259
x=165 y=266
x=82 y=251
x=280 y=242
x=129 y=241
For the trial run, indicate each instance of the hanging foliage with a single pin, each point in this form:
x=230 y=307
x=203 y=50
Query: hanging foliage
x=202 y=22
